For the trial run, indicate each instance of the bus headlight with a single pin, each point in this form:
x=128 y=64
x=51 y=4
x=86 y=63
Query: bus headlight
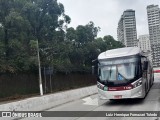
x=100 y=86
x=136 y=84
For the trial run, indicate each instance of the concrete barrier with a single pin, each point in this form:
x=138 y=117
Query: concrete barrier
x=156 y=74
x=47 y=101
x=156 y=68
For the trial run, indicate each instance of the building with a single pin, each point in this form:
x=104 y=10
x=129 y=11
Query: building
x=126 y=31
x=156 y=55
x=144 y=44
x=120 y=31
x=153 y=13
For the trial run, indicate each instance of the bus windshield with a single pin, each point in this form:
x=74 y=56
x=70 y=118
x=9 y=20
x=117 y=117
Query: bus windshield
x=118 y=69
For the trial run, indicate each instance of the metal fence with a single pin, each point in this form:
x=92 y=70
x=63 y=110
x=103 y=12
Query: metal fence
x=27 y=84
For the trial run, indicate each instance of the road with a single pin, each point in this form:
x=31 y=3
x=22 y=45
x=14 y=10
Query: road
x=150 y=103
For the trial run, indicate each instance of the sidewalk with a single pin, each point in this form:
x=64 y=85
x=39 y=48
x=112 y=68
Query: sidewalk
x=47 y=101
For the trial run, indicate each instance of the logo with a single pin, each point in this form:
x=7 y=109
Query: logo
x=6 y=114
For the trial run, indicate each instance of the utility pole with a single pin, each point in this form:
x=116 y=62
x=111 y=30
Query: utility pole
x=40 y=77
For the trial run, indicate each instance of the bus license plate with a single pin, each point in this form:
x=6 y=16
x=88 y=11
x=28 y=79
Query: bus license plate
x=118 y=96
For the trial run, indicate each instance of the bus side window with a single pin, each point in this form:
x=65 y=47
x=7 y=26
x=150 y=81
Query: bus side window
x=144 y=63
x=140 y=71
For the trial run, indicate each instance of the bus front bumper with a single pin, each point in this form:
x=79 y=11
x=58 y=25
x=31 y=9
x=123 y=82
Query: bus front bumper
x=133 y=93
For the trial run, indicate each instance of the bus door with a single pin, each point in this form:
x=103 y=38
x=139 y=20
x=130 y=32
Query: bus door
x=144 y=63
x=150 y=74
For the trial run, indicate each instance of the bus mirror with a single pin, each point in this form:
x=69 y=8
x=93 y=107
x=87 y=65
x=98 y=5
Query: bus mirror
x=95 y=67
x=94 y=70
x=145 y=65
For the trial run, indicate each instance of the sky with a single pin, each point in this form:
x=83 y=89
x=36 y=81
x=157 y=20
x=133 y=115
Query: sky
x=106 y=13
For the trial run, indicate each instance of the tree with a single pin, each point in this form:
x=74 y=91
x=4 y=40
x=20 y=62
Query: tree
x=100 y=44
x=71 y=34
x=86 y=33
x=111 y=43
x=23 y=21
x=14 y=28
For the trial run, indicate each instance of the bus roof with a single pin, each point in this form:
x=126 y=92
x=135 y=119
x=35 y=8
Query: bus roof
x=120 y=52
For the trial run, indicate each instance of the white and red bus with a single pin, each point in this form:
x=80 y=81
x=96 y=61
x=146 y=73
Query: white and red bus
x=123 y=73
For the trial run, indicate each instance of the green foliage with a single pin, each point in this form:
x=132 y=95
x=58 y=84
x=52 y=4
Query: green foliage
x=86 y=33
x=24 y=22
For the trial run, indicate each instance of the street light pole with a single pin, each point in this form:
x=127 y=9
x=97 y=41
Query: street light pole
x=39 y=66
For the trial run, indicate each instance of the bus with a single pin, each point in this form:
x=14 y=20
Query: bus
x=123 y=73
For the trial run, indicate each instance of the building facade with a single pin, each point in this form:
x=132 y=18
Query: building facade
x=144 y=44
x=126 y=31
x=153 y=13
x=156 y=55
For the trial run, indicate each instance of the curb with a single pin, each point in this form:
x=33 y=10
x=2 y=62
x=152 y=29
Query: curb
x=48 y=101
